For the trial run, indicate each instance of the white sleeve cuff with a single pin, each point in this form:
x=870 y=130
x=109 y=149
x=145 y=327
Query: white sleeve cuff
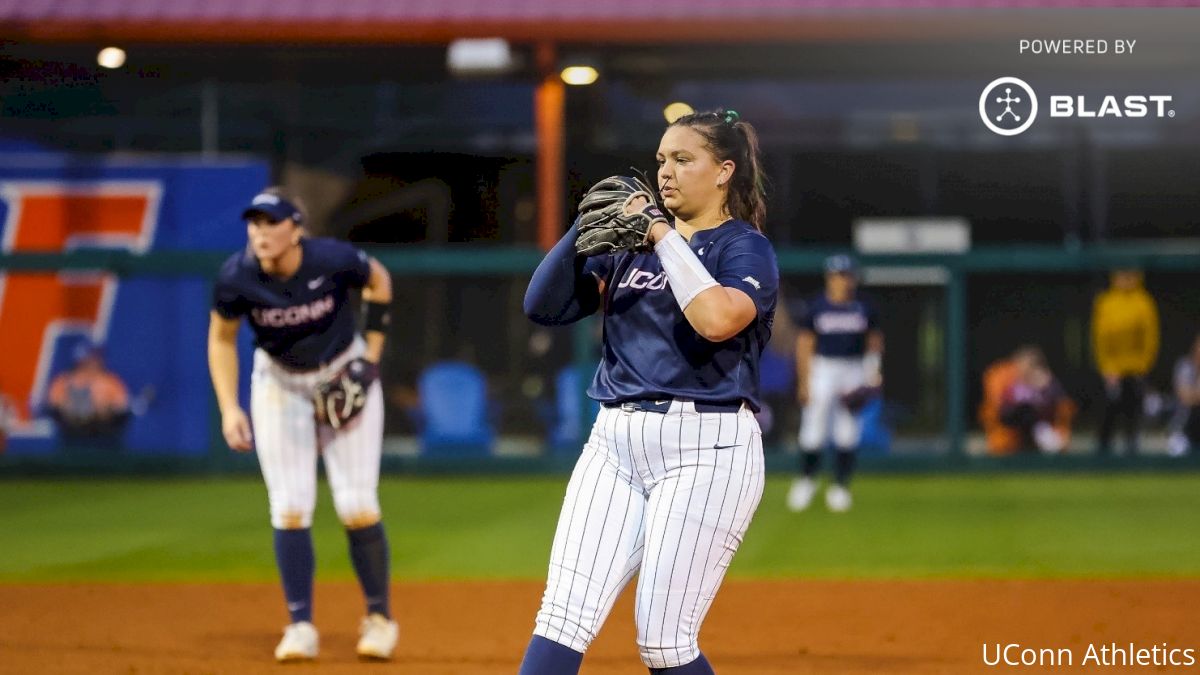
x=686 y=275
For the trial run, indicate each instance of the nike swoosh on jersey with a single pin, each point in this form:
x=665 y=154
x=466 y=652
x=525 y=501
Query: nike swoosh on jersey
x=314 y=284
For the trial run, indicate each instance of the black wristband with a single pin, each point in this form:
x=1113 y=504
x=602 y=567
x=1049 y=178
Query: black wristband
x=378 y=316
x=363 y=371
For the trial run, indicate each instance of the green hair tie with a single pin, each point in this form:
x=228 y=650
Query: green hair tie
x=731 y=116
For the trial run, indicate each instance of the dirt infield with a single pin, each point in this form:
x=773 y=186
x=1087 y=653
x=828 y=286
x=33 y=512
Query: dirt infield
x=755 y=628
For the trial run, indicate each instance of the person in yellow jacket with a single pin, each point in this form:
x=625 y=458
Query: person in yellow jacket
x=1125 y=346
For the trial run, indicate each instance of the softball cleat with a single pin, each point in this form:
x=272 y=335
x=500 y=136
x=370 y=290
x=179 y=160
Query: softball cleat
x=378 y=637
x=800 y=495
x=299 y=643
x=838 y=499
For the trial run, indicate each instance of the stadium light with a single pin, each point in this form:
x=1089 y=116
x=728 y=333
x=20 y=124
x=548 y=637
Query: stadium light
x=675 y=110
x=481 y=56
x=111 y=57
x=579 y=75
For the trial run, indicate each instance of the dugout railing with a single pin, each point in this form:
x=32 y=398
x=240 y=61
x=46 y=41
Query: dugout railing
x=955 y=274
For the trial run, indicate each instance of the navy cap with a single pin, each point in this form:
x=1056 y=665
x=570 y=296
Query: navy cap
x=274 y=207
x=840 y=264
x=85 y=349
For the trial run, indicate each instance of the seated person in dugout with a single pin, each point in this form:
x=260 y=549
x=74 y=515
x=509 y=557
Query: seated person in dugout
x=89 y=402
x=7 y=419
x=1024 y=407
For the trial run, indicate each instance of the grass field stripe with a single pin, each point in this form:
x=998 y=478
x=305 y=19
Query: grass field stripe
x=993 y=525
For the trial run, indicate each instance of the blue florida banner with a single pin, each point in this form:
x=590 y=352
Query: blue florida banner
x=152 y=328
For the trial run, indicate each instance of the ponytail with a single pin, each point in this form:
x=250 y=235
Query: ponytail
x=730 y=138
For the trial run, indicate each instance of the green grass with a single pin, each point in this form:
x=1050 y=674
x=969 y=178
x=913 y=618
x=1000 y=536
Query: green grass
x=901 y=527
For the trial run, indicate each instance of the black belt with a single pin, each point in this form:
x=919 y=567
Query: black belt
x=664 y=405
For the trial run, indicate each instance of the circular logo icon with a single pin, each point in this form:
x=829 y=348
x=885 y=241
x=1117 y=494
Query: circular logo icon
x=1008 y=106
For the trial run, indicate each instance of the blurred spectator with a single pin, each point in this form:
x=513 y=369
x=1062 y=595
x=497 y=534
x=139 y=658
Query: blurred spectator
x=1125 y=346
x=1185 y=428
x=1024 y=407
x=89 y=403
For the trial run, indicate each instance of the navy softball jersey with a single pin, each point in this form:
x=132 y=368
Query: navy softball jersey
x=304 y=321
x=650 y=349
x=841 y=328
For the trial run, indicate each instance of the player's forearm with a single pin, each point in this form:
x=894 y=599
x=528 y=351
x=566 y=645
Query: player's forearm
x=716 y=312
x=803 y=370
x=719 y=313
x=873 y=358
x=802 y=379
x=377 y=299
x=804 y=353
x=375 y=340
x=875 y=343
x=223 y=367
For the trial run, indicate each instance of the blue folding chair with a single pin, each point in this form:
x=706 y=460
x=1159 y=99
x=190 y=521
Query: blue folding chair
x=776 y=373
x=565 y=429
x=876 y=439
x=454 y=411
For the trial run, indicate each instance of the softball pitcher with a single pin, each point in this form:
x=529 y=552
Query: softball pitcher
x=314 y=389
x=838 y=355
x=673 y=469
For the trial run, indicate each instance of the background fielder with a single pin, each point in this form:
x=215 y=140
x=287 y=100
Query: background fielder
x=838 y=357
x=295 y=291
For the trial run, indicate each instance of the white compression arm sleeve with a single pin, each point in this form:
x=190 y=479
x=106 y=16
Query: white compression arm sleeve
x=686 y=275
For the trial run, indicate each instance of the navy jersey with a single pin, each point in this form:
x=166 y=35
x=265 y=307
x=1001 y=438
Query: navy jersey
x=650 y=349
x=841 y=328
x=306 y=320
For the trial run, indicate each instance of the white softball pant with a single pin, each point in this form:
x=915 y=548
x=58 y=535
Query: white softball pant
x=287 y=440
x=667 y=496
x=828 y=379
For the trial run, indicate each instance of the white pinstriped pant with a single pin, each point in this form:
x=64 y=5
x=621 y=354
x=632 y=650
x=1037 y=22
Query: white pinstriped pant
x=286 y=440
x=668 y=494
x=828 y=379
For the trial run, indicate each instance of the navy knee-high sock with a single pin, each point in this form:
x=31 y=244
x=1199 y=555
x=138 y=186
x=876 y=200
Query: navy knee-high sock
x=296 y=561
x=547 y=657
x=844 y=466
x=369 y=553
x=698 y=667
x=810 y=462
